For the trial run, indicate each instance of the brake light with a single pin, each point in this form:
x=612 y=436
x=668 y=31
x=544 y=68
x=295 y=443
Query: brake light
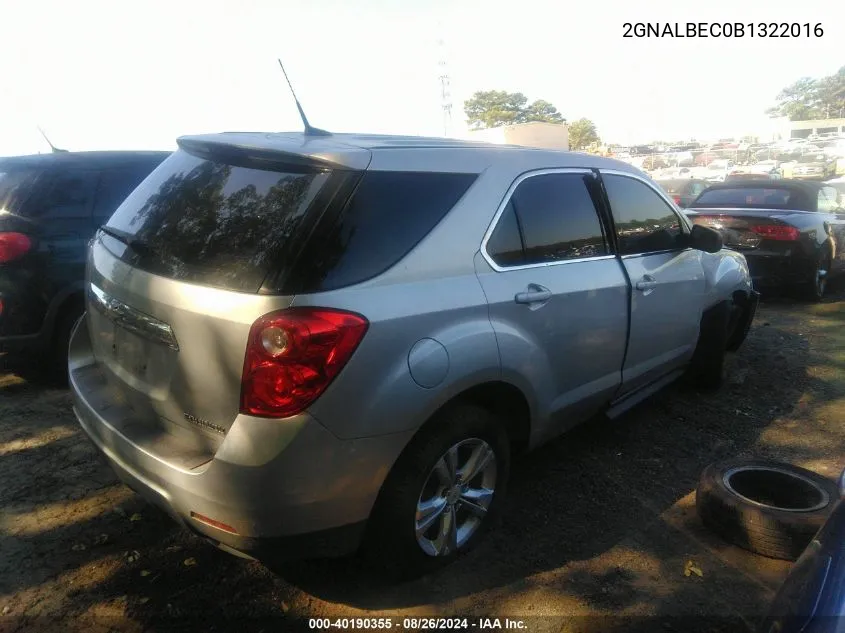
x=778 y=232
x=677 y=200
x=293 y=355
x=13 y=246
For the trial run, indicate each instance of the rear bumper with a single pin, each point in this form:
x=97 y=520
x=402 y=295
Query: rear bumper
x=769 y=270
x=288 y=488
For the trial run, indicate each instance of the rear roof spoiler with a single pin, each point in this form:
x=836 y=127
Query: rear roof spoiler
x=277 y=150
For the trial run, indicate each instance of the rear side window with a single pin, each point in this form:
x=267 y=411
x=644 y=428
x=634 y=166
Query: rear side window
x=16 y=185
x=116 y=184
x=556 y=219
x=389 y=213
x=69 y=194
x=644 y=222
x=505 y=244
x=215 y=224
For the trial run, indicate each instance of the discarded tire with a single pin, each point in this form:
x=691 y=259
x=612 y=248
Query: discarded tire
x=767 y=507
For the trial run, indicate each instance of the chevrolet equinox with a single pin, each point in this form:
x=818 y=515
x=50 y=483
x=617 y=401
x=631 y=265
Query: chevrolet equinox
x=298 y=345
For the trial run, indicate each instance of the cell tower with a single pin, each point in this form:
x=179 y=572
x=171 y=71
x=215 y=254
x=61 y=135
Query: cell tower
x=445 y=92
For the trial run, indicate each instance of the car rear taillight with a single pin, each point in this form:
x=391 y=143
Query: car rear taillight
x=677 y=200
x=293 y=355
x=13 y=246
x=778 y=232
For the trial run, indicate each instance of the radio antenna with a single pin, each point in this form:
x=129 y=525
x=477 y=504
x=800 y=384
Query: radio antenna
x=309 y=131
x=54 y=149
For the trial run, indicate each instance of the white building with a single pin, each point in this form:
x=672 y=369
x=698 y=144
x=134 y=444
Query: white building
x=536 y=134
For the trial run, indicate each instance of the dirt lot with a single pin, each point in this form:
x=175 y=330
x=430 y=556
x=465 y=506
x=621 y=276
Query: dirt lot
x=599 y=523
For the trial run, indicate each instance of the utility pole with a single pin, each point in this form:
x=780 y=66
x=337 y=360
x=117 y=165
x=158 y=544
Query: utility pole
x=445 y=91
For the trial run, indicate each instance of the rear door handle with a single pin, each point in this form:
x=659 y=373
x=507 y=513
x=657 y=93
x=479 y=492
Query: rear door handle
x=534 y=293
x=647 y=283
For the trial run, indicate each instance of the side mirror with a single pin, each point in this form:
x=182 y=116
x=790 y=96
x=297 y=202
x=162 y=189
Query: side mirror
x=705 y=239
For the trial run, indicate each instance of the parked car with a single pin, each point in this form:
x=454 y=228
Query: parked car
x=718 y=170
x=50 y=207
x=298 y=345
x=812 y=598
x=683 y=190
x=814 y=166
x=791 y=232
x=770 y=168
x=706 y=157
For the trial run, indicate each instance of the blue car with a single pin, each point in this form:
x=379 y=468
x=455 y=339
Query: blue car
x=812 y=599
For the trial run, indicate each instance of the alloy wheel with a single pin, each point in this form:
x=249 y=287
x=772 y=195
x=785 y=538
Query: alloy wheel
x=455 y=497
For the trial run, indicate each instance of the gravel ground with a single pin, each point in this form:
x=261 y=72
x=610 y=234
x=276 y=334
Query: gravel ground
x=599 y=525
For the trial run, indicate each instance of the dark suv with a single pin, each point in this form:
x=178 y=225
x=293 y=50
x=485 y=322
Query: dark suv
x=50 y=207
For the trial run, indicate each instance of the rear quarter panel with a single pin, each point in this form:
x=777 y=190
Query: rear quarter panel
x=376 y=392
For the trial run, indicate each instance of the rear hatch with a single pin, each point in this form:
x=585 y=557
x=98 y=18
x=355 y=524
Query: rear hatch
x=177 y=277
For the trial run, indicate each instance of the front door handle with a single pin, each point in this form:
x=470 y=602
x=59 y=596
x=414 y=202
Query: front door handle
x=646 y=283
x=534 y=293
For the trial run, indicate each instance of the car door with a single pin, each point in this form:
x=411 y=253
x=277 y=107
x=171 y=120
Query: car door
x=667 y=278
x=557 y=295
x=63 y=210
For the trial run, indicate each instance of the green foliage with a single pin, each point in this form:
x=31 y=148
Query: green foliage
x=495 y=108
x=810 y=98
x=582 y=133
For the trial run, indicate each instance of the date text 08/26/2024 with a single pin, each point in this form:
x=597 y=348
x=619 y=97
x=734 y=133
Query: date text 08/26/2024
x=414 y=624
x=723 y=29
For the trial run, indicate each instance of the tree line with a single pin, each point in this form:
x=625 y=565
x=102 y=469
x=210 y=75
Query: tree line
x=495 y=108
x=810 y=98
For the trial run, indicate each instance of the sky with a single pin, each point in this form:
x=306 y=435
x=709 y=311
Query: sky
x=137 y=75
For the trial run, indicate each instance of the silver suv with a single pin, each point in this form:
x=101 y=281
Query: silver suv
x=298 y=345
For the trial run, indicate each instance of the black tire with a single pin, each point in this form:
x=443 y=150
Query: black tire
x=764 y=506
x=745 y=307
x=707 y=366
x=815 y=288
x=391 y=542
x=57 y=358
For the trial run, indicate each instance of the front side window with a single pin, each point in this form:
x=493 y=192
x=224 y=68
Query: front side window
x=644 y=221
x=554 y=218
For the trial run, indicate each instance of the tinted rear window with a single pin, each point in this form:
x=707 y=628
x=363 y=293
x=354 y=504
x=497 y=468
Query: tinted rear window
x=215 y=224
x=387 y=215
x=752 y=197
